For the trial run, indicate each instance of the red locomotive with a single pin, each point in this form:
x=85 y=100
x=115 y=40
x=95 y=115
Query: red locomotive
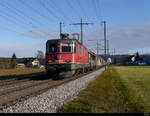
x=66 y=57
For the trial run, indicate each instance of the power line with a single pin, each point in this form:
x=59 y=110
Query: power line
x=49 y=11
x=16 y=13
x=41 y=23
x=92 y=7
x=26 y=4
x=77 y=8
x=95 y=6
x=23 y=14
x=69 y=4
x=60 y=11
x=100 y=9
x=8 y=29
x=82 y=9
x=40 y=33
x=15 y=17
x=7 y=17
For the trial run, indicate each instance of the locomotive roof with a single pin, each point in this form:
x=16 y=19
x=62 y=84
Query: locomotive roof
x=66 y=40
x=69 y=40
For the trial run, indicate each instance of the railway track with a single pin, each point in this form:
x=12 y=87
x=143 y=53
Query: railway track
x=12 y=81
x=11 y=95
x=19 y=80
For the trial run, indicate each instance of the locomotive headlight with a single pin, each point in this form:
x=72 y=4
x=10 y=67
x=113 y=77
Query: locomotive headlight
x=68 y=61
x=49 y=61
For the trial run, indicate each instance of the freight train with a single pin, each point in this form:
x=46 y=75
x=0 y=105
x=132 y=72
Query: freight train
x=67 y=57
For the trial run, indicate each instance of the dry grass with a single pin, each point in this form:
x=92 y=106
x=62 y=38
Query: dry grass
x=114 y=92
x=19 y=71
x=137 y=79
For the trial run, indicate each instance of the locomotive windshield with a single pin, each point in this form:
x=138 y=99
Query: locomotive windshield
x=52 y=48
x=68 y=48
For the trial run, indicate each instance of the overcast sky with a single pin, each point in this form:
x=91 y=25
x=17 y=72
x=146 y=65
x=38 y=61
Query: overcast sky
x=26 y=25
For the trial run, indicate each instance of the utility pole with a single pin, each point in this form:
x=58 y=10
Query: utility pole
x=97 y=44
x=81 y=27
x=114 y=51
x=61 y=28
x=107 y=48
x=114 y=55
x=105 y=42
x=97 y=48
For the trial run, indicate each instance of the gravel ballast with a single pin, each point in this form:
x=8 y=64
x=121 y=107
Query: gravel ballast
x=53 y=99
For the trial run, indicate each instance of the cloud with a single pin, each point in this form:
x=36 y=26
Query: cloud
x=140 y=50
x=126 y=38
x=6 y=50
x=41 y=34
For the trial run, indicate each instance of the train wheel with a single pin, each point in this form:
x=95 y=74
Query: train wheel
x=73 y=72
x=84 y=70
x=48 y=74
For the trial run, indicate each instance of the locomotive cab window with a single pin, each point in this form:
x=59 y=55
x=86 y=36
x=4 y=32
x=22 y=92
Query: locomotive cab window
x=52 y=48
x=68 y=48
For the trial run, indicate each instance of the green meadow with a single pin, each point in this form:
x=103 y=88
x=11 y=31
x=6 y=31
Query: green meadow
x=120 y=89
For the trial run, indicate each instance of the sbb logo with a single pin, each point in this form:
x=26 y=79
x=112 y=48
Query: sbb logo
x=58 y=57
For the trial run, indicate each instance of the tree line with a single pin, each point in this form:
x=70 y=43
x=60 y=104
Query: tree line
x=12 y=62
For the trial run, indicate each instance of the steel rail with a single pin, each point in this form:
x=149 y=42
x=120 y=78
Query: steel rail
x=13 y=82
x=3 y=92
x=39 y=89
x=2 y=81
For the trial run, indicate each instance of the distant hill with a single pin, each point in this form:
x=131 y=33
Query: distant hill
x=113 y=56
x=126 y=58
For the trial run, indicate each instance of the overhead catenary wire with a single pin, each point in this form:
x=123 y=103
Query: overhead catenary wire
x=48 y=10
x=92 y=8
x=69 y=4
x=8 y=29
x=27 y=5
x=42 y=34
x=59 y=10
x=27 y=17
x=95 y=7
x=16 y=13
x=11 y=18
x=35 y=10
x=28 y=21
x=77 y=7
x=34 y=20
x=7 y=17
x=99 y=3
x=82 y=8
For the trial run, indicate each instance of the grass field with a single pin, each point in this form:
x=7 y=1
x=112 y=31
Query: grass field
x=19 y=71
x=118 y=90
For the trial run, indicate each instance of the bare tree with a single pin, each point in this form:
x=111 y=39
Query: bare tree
x=13 y=61
x=40 y=56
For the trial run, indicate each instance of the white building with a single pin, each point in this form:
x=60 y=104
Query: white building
x=33 y=63
x=20 y=65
